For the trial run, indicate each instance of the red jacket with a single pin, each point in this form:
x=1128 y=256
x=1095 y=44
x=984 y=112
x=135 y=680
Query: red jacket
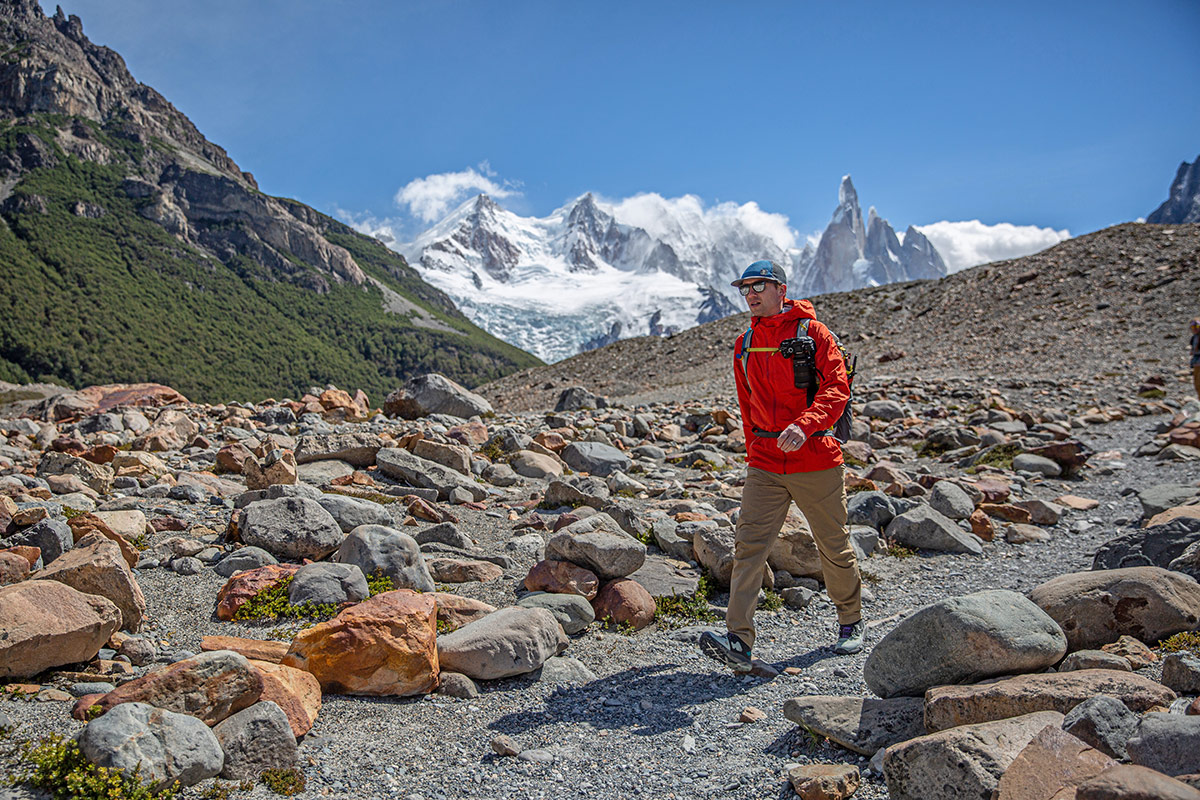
x=770 y=400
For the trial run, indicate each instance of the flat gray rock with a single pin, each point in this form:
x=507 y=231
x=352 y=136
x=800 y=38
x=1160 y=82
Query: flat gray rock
x=435 y=394
x=326 y=583
x=666 y=577
x=949 y=500
x=511 y=641
x=398 y=463
x=320 y=473
x=861 y=724
x=1169 y=743
x=1157 y=499
x=350 y=512
x=357 y=449
x=963 y=640
x=255 y=739
x=573 y=612
x=599 y=544
x=291 y=529
x=1156 y=546
x=565 y=671
x=1104 y=723
x=1028 y=462
x=925 y=529
x=167 y=746
x=242 y=559
x=1181 y=673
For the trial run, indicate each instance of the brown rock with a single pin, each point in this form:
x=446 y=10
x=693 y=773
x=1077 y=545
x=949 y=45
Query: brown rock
x=462 y=570
x=30 y=516
x=48 y=624
x=139 y=462
x=1053 y=761
x=161 y=524
x=1018 y=533
x=454 y=611
x=242 y=586
x=386 y=645
x=109 y=396
x=472 y=434
x=253 y=649
x=750 y=714
x=824 y=781
x=455 y=456
x=981 y=525
x=13 y=568
x=171 y=430
x=231 y=457
x=1137 y=654
x=68 y=484
x=993 y=490
x=1006 y=511
x=950 y=706
x=1096 y=607
x=625 y=602
x=28 y=552
x=96 y=566
x=550 y=440
x=209 y=686
x=1178 y=512
x=100 y=454
x=562 y=577
x=297 y=692
x=1077 y=503
x=1129 y=782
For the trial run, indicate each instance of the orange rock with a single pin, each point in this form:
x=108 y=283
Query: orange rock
x=1006 y=511
x=1178 y=512
x=13 y=567
x=1077 y=503
x=472 y=434
x=455 y=611
x=625 y=601
x=331 y=399
x=243 y=585
x=255 y=649
x=386 y=645
x=100 y=454
x=551 y=441
x=981 y=526
x=689 y=516
x=1053 y=761
x=562 y=577
x=111 y=395
x=231 y=457
x=463 y=570
x=83 y=524
x=297 y=692
x=27 y=552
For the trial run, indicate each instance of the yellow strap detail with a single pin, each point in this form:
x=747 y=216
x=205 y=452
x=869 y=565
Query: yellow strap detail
x=762 y=349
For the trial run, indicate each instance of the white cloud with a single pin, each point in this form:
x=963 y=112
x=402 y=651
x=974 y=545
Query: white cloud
x=659 y=216
x=969 y=243
x=385 y=230
x=429 y=198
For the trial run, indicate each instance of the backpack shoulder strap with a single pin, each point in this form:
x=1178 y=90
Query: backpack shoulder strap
x=742 y=352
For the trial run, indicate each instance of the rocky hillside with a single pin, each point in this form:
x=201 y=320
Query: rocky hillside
x=132 y=249
x=1102 y=311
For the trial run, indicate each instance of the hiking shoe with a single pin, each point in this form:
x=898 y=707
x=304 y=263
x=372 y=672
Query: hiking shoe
x=729 y=649
x=850 y=638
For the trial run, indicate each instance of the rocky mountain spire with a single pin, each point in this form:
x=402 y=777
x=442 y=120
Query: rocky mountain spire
x=1183 y=202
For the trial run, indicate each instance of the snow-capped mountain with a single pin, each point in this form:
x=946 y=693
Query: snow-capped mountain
x=591 y=272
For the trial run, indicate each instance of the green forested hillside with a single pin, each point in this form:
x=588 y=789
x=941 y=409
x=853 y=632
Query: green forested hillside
x=115 y=297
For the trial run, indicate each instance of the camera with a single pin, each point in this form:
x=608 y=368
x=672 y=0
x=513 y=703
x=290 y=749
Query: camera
x=802 y=352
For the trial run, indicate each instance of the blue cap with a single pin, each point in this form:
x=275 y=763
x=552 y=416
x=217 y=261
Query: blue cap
x=760 y=271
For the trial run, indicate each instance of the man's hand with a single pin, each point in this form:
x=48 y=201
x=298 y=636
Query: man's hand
x=792 y=438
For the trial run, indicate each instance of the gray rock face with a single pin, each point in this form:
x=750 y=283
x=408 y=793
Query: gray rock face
x=1169 y=743
x=1103 y=722
x=577 y=490
x=1183 y=201
x=453 y=684
x=664 y=577
x=402 y=465
x=168 y=746
x=1181 y=673
x=573 y=612
x=883 y=409
x=667 y=538
x=926 y=529
x=254 y=739
x=511 y=641
x=51 y=535
x=1096 y=608
x=1156 y=546
x=324 y=582
x=861 y=724
x=291 y=528
x=446 y=533
x=1028 y=462
x=1094 y=659
x=598 y=543
x=350 y=512
x=435 y=394
x=358 y=449
x=577 y=398
x=595 y=458
x=874 y=509
x=393 y=552
x=565 y=671
x=243 y=559
x=963 y=762
x=962 y=640
x=949 y=500
x=319 y=473
x=1157 y=499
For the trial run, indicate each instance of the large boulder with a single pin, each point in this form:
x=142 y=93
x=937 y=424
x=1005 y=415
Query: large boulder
x=599 y=544
x=861 y=724
x=511 y=641
x=625 y=602
x=1169 y=743
x=1156 y=546
x=1054 y=761
x=96 y=566
x=536 y=465
x=925 y=529
x=210 y=686
x=98 y=477
x=1131 y=782
x=46 y=624
x=290 y=528
x=1158 y=498
x=325 y=583
x=255 y=739
x=398 y=463
x=434 y=394
x=1096 y=608
x=382 y=646
x=393 y=553
x=950 y=706
x=572 y=611
x=595 y=458
x=295 y=691
x=52 y=536
x=795 y=550
x=964 y=762
x=350 y=512
x=562 y=577
x=961 y=640
x=165 y=746
x=949 y=500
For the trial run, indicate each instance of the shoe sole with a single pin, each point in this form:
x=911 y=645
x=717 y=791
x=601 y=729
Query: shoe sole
x=843 y=650
x=716 y=652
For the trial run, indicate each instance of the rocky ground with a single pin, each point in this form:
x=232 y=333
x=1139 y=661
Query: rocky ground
x=624 y=711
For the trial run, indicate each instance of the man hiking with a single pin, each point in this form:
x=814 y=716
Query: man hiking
x=1195 y=362
x=791 y=456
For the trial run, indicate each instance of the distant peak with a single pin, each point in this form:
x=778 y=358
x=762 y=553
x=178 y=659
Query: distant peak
x=846 y=193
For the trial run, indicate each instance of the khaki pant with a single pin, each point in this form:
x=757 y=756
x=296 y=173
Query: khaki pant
x=766 y=497
x=1196 y=378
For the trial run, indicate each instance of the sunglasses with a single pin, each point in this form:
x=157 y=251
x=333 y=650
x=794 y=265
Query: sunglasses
x=759 y=287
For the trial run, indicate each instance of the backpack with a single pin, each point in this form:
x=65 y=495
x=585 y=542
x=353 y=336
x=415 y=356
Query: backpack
x=841 y=428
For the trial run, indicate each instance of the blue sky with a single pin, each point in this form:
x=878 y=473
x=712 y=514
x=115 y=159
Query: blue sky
x=1070 y=115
